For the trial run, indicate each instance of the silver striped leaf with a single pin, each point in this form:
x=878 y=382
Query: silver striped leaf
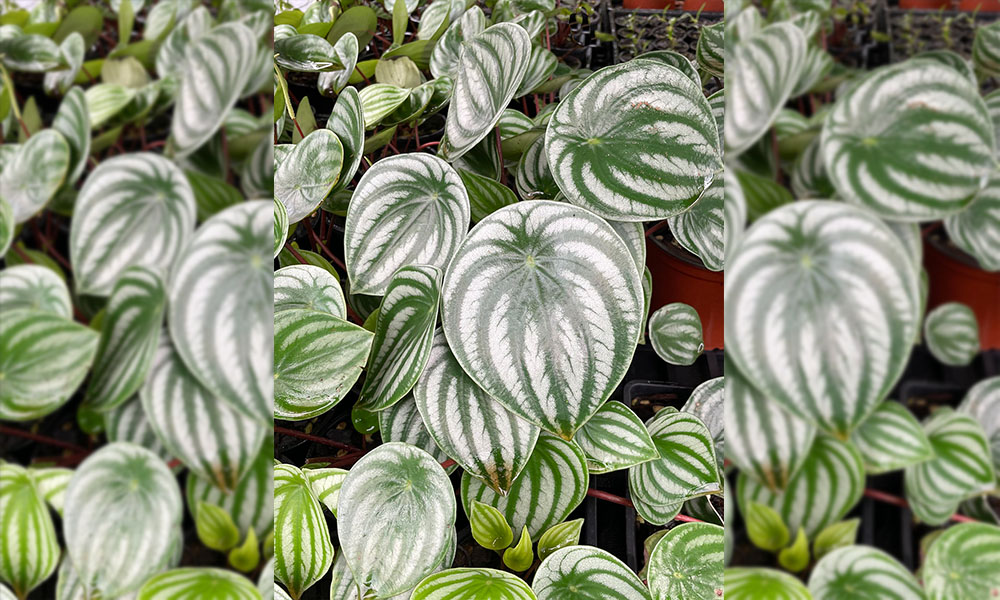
x=219 y=308
x=675 y=332
x=540 y=66
x=30 y=550
x=665 y=163
x=993 y=107
x=73 y=122
x=912 y=141
x=123 y=508
x=675 y=60
x=280 y=226
x=402 y=422
x=701 y=228
x=134 y=209
x=317 y=358
x=404 y=330
x=551 y=485
x=490 y=70
x=343 y=586
x=7 y=224
x=586 y=573
x=257 y=174
x=379 y=100
x=816 y=67
x=986 y=50
x=475 y=430
x=717 y=102
x=687 y=563
x=563 y=300
x=170 y=56
x=72 y=50
x=655 y=514
x=862 y=572
x=34 y=287
x=128 y=423
x=306 y=53
x=534 y=179
x=51 y=483
x=961 y=468
x=303 y=552
x=308 y=287
x=770 y=59
x=43 y=358
x=130 y=331
x=396 y=518
x=472 y=584
x=194 y=582
x=827 y=485
x=407 y=209
x=486 y=195
x=448 y=49
x=711 y=50
x=982 y=401
x=774 y=457
x=216 y=69
x=961 y=563
x=251 y=503
x=35 y=172
x=812 y=271
x=212 y=439
x=347 y=121
x=951 y=333
x=614 y=439
x=106 y=100
x=977 y=228
x=512 y=123
x=707 y=402
x=809 y=179
x=634 y=236
x=744 y=583
x=307 y=175
x=28 y=52
x=891 y=439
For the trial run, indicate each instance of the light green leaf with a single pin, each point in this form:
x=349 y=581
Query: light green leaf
x=832 y=537
x=519 y=558
x=215 y=527
x=752 y=583
x=559 y=536
x=51 y=483
x=614 y=439
x=105 y=100
x=891 y=439
x=308 y=287
x=862 y=572
x=961 y=563
x=472 y=584
x=586 y=573
x=765 y=528
x=378 y=100
x=489 y=527
x=308 y=173
x=37 y=169
x=193 y=582
x=30 y=552
x=687 y=563
x=34 y=287
x=303 y=552
x=951 y=333
x=795 y=558
x=246 y=556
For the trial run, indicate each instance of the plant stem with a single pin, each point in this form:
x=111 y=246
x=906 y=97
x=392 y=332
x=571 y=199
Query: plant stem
x=626 y=502
x=315 y=438
x=902 y=503
x=15 y=432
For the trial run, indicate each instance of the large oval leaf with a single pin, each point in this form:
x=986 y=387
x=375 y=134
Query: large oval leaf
x=407 y=209
x=302 y=552
x=136 y=209
x=123 y=511
x=977 y=228
x=951 y=333
x=891 y=439
x=36 y=171
x=551 y=485
x=822 y=307
x=542 y=308
x=308 y=173
x=614 y=439
x=675 y=332
x=961 y=563
x=753 y=583
x=687 y=563
x=586 y=573
x=30 y=550
x=396 y=516
x=193 y=583
x=308 y=287
x=233 y=355
x=686 y=467
x=472 y=584
x=862 y=573
x=34 y=287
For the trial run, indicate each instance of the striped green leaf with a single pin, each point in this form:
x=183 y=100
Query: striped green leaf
x=211 y=194
x=130 y=331
x=862 y=573
x=347 y=122
x=912 y=141
x=486 y=195
x=395 y=492
x=827 y=485
x=317 y=358
x=816 y=67
x=675 y=60
x=302 y=549
x=993 y=107
x=73 y=122
x=986 y=50
x=135 y=209
x=687 y=563
x=471 y=427
x=551 y=485
x=951 y=333
x=34 y=287
x=345 y=53
x=170 y=56
x=404 y=330
x=519 y=557
x=51 y=483
x=707 y=402
x=812 y=271
x=961 y=563
x=251 y=503
x=29 y=52
x=701 y=228
x=513 y=123
x=983 y=402
x=105 y=100
x=212 y=439
x=7 y=224
x=472 y=584
x=614 y=439
x=378 y=100
x=402 y=422
x=530 y=270
x=656 y=514
x=634 y=236
x=308 y=173
x=43 y=358
x=675 y=332
x=659 y=169
x=752 y=583
x=198 y=582
x=123 y=509
x=306 y=53
x=128 y=423
x=35 y=173
x=534 y=179
x=280 y=226
x=216 y=69
x=448 y=49
x=490 y=69
x=586 y=573
x=489 y=527
x=30 y=550
x=407 y=209
x=308 y=287
x=686 y=467
x=809 y=179
x=977 y=228
x=540 y=65
x=231 y=356
x=257 y=176
x=711 y=49
x=961 y=468
x=891 y=439
x=763 y=71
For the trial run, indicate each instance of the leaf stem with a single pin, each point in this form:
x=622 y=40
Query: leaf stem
x=315 y=438
x=43 y=439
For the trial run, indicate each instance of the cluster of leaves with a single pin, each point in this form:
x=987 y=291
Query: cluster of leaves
x=825 y=296
x=153 y=180
x=492 y=350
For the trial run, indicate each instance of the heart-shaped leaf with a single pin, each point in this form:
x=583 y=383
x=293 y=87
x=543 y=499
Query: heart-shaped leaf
x=34 y=287
x=586 y=573
x=891 y=439
x=347 y=121
x=305 y=552
x=308 y=173
x=686 y=467
x=951 y=333
x=308 y=287
x=701 y=228
x=395 y=492
x=711 y=50
x=675 y=332
x=961 y=563
x=448 y=49
x=402 y=422
x=193 y=582
x=614 y=439
x=345 y=53
x=687 y=563
x=486 y=195
x=983 y=402
x=37 y=169
x=534 y=178
x=378 y=100
x=564 y=302
x=472 y=584
x=251 y=503
x=845 y=572
x=30 y=552
x=305 y=53
x=977 y=228
x=745 y=583
x=280 y=226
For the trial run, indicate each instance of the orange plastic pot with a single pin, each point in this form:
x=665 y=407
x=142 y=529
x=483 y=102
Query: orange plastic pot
x=979 y=5
x=679 y=276
x=924 y=4
x=954 y=277
x=704 y=5
x=648 y=4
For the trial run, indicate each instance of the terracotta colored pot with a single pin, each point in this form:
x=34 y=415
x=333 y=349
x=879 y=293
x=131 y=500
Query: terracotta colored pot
x=704 y=5
x=679 y=276
x=954 y=277
x=653 y=4
x=924 y=4
x=979 y=5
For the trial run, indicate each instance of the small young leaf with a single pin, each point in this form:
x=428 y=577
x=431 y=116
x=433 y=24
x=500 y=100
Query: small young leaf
x=520 y=557
x=796 y=557
x=245 y=557
x=764 y=526
x=400 y=18
x=215 y=527
x=559 y=536
x=489 y=527
x=835 y=536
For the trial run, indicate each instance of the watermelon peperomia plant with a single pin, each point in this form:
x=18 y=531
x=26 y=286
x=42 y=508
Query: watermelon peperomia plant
x=841 y=174
x=134 y=166
x=488 y=300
